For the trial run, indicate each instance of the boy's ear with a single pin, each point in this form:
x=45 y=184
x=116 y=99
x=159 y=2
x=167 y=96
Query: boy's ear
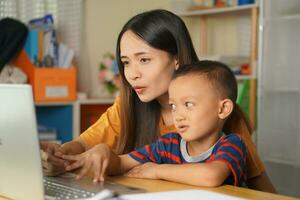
x=225 y=108
x=176 y=63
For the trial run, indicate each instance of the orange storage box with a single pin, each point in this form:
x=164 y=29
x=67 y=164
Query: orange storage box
x=49 y=84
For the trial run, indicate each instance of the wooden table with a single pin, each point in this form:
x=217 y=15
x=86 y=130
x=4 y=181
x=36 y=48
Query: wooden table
x=160 y=185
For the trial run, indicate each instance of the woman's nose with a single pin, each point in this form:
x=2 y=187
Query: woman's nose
x=134 y=73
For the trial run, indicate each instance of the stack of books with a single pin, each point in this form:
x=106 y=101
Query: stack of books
x=42 y=46
x=47 y=134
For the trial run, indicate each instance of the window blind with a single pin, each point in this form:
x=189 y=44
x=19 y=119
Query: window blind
x=67 y=16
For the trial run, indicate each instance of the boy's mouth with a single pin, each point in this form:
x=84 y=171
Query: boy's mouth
x=182 y=128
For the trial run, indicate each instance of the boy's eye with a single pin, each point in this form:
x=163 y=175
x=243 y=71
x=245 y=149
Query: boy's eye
x=188 y=104
x=145 y=60
x=173 y=107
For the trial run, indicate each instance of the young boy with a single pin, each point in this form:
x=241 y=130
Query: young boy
x=204 y=152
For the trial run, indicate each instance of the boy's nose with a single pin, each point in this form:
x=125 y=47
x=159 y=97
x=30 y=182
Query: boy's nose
x=179 y=117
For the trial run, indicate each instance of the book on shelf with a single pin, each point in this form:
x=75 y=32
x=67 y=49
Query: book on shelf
x=47 y=133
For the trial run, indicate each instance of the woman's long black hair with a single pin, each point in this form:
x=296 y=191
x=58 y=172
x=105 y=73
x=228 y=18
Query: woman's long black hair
x=162 y=30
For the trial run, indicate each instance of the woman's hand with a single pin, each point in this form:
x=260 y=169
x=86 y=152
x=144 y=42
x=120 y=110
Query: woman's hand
x=52 y=165
x=96 y=159
x=51 y=153
x=70 y=148
x=148 y=170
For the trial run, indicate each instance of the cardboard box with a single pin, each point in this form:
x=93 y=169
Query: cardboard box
x=49 y=84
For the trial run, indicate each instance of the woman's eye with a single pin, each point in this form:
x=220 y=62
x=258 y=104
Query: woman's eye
x=189 y=104
x=173 y=107
x=144 y=60
x=125 y=63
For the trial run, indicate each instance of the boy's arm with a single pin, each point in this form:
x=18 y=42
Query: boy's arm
x=229 y=159
x=119 y=164
x=133 y=160
x=123 y=163
x=200 y=174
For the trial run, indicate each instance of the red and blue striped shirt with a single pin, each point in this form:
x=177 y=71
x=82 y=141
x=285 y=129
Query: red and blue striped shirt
x=171 y=149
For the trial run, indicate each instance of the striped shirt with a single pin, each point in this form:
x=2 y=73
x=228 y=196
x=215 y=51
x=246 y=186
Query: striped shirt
x=172 y=149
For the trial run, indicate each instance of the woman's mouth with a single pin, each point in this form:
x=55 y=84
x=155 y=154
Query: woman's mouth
x=139 y=89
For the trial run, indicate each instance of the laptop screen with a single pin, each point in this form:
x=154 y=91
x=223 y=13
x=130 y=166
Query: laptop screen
x=20 y=168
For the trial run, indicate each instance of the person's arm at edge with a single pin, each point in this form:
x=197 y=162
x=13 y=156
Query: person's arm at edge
x=257 y=179
x=261 y=183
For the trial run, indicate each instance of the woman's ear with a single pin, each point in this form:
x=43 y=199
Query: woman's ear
x=225 y=108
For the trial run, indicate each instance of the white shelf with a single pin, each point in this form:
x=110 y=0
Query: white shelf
x=213 y=11
x=283 y=18
x=56 y=103
x=245 y=77
x=104 y=100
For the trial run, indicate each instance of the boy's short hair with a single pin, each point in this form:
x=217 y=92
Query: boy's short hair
x=220 y=75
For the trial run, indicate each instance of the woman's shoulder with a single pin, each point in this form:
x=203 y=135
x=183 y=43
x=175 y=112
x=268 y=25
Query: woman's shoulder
x=165 y=129
x=114 y=109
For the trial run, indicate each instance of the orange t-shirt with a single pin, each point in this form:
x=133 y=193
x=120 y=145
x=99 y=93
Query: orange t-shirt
x=107 y=130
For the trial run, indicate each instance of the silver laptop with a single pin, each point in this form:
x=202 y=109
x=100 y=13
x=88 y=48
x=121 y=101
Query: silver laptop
x=20 y=164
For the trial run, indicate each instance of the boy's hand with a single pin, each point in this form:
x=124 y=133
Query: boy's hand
x=96 y=159
x=147 y=170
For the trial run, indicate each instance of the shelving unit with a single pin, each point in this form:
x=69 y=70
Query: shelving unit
x=58 y=116
x=71 y=118
x=252 y=11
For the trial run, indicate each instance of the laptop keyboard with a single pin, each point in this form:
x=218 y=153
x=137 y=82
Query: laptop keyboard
x=58 y=191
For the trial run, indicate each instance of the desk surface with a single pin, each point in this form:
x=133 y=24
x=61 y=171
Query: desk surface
x=159 y=186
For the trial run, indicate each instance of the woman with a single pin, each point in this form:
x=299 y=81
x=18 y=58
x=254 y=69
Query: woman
x=150 y=47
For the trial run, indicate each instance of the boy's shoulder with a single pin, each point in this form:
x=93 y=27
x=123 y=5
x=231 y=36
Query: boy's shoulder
x=231 y=138
x=170 y=135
